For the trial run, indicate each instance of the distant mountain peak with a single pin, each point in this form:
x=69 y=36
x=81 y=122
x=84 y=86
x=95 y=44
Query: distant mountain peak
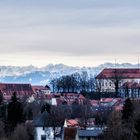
x=46 y=73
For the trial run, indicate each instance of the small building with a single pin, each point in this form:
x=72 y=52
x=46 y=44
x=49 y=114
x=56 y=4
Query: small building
x=70 y=98
x=44 y=129
x=42 y=90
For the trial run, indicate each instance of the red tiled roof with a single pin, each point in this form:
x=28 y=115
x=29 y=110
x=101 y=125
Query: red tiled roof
x=20 y=89
x=119 y=107
x=71 y=94
x=106 y=99
x=49 y=97
x=72 y=122
x=94 y=102
x=132 y=85
x=59 y=101
x=120 y=73
x=39 y=88
x=82 y=97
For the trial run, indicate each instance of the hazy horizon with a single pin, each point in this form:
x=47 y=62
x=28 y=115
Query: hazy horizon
x=71 y=65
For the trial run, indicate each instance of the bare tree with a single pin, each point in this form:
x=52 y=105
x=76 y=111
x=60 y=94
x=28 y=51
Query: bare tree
x=116 y=130
x=53 y=84
x=91 y=83
x=127 y=90
x=74 y=83
x=86 y=112
x=54 y=120
x=98 y=87
x=84 y=81
x=116 y=79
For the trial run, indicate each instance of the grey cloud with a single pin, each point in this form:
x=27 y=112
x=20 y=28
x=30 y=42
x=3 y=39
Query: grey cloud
x=85 y=29
x=74 y=42
x=91 y=13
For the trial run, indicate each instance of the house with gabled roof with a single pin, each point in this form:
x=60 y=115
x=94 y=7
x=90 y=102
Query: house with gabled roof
x=21 y=89
x=44 y=128
x=38 y=89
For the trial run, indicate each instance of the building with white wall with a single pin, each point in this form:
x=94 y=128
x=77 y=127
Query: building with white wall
x=43 y=130
x=109 y=76
x=42 y=90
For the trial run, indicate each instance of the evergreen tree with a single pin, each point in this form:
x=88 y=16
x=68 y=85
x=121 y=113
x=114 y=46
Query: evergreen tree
x=98 y=120
x=46 y=107
x=137 y=128
x=15 y=111
x=30 y=114
x=1 y=97
x=127 y=111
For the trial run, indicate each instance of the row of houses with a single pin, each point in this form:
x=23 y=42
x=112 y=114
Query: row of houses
x=42 y=93
x=7 y=89
x=72 y=129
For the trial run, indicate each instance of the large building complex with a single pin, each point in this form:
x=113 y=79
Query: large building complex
x=112 y=79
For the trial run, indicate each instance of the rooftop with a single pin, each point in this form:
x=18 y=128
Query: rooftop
x=90 y=133
x=19 y=88
x=119 y=73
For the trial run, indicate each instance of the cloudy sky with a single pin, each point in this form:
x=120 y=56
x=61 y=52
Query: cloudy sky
x=73 y=32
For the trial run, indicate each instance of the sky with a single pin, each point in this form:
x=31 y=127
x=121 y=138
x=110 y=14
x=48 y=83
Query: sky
x=72 y=32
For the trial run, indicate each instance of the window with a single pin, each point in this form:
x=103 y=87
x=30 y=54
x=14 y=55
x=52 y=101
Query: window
x=43 y=137
x=102 y=83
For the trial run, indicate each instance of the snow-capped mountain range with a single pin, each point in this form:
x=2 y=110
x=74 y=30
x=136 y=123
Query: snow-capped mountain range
x=35 y=75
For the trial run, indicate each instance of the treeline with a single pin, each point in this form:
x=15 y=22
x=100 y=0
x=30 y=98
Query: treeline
x=75 y=83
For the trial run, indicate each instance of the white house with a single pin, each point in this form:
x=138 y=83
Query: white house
x=42 y=90
x=43 y=130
